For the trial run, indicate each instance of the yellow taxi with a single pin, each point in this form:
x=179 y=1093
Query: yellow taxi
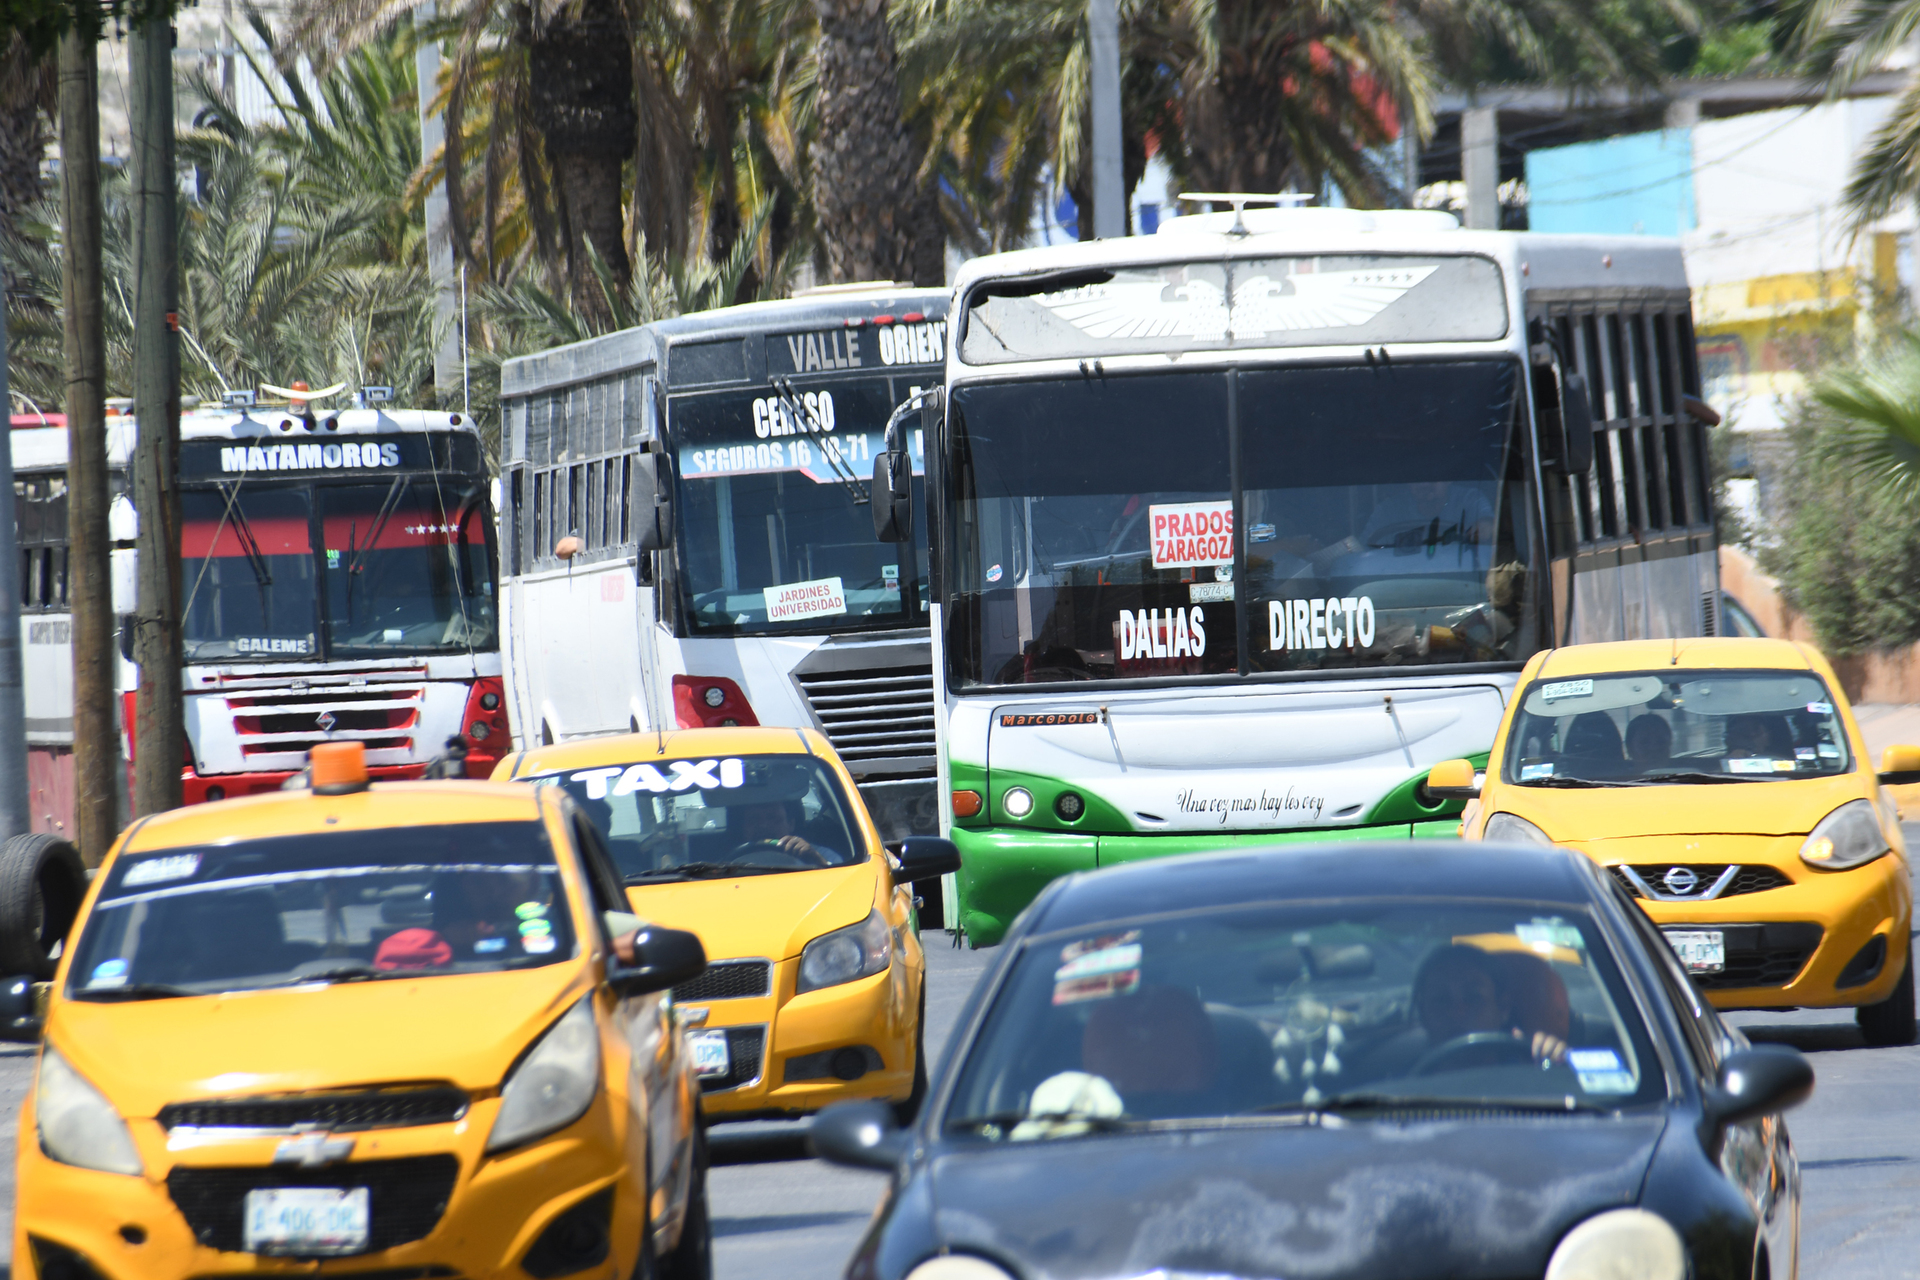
x=755 y=839
x=1725 y=785
x=362 y=1030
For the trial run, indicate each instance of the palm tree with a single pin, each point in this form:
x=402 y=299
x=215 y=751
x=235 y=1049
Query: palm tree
x=1873 y=427
x=26 y=104
x=1840 y=41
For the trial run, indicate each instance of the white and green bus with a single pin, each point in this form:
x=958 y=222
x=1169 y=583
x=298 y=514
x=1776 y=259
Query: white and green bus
x=1238 y=528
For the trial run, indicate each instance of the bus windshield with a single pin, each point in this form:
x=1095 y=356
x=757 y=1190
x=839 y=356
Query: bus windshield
x=1382 y=520
x=278 y=571
x=774 y=539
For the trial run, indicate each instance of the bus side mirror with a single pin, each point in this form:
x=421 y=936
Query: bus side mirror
x=652 y=512
x=892 y=496
x=1576 y=426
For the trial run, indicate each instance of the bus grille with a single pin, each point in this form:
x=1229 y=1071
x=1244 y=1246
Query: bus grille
x=277 y=721
x=881 y=718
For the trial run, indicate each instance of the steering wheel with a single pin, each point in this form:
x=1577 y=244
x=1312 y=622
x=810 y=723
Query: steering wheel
x=741 y=854
x=1479 y=1048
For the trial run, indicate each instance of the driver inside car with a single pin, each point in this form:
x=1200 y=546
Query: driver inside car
x=773 y=822
x=1458 y=994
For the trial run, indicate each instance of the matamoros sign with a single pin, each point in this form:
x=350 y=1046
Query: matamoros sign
x=330 y=455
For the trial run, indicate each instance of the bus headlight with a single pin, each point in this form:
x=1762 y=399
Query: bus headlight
x=1017 y=802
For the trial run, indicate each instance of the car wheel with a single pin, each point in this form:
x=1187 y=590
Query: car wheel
x=42 y=881
x=692 y=1258
x=1891 y=1022
x=908 y=1111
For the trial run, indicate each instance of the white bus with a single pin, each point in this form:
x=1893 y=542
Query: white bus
x=687 y=542
x=337 y=578
x=1240 y=527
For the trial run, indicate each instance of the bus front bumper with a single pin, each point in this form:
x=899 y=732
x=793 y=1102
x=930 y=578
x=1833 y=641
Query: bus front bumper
x=1004 y=868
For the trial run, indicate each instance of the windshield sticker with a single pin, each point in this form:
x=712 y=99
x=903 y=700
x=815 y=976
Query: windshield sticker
x=820 y=598
x=1261 y=533
x=1803 y=753
x=309 y=457
x=993 y=573
x=890 y=575
x=1209 y=592
x=1331 y=622
x=1755 y=765
x=535 y=928
x=1545 y=935
x=109 y=973
x=176 y=866
x=704 y=774
x=485 y=946
x=529 y=910
x=1828 y=751
x=264 y=644
x=1187 y=535
x=538 y=945
x=1097 y=968
x=1162 y=633
x=1567 y=689
x=1529 y=772
x=1600 y=1071
x=1820 y=708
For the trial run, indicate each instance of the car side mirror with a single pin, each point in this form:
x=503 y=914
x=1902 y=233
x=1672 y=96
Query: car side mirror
x=861 y=1134
x=662 y=958
x=1900 y=765
x=19 y=1011
x=892 y=496
x=652 y=510
x=1760 y=1081
x=924 y=857
x=1453 y=780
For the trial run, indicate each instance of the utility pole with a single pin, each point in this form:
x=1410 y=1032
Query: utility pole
x=1109 y=169
x=1480 y=166
x=433 y=135
x=159 y=733
x=15 y=818
x=96 y=736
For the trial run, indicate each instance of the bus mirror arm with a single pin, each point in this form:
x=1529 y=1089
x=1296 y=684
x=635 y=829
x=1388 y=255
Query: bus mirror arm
x=1576 y=426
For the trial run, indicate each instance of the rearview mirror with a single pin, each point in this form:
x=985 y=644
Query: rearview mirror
x=662 y=958
x=19 y=1011
x=1900 y=765
x=861 y=1134
x=924 y=857
x=1576 y=425
x=892 y=496
x=1760 y=1081
x=652 y=509
x=1453 y=780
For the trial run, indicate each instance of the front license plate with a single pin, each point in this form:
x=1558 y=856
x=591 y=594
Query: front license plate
x=306 y=1220
x=710 y=1057
x=1701 y=950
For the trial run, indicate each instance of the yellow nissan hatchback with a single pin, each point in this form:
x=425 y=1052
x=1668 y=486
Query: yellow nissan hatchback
x=1725 y=785
x=755 y=839
x=362 y=1030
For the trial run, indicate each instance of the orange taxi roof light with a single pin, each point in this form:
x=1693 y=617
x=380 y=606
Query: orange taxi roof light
x=338 y=768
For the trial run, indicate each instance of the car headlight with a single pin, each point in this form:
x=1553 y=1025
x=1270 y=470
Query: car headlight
x=1620 y=1242
x=1507 y=826
x=857 y=951
x=959 y=1266
x=78 y=1126
x=1850 y=836
x=554 y=1084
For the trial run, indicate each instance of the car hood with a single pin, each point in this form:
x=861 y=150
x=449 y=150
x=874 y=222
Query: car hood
x=1486 y=1197
x=1785 y=807
x=464 y=1028
x=771 y=916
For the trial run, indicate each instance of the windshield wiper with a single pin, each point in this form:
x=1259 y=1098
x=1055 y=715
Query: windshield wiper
x=243 y=529
x=135 y=991
x=1008 y=1119
x=1692 y=775
x=704 y=871
x=1371 y=1100
x=1568 y=780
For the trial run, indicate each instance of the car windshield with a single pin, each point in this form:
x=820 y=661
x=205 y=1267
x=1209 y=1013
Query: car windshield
x=343 y=906
x=403 y=565
x=1277 y=1009
x=1666 y=727
x=1383 y=520
x=777 y=533
x=667 y=820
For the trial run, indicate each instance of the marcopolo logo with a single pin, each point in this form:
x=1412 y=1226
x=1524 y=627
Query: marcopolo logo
x=331 y=456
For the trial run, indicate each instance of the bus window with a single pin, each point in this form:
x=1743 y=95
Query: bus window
x=407 y=566
x=247 y=559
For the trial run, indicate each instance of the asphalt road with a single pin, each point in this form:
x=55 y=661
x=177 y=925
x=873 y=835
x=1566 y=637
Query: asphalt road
x=779 y=1214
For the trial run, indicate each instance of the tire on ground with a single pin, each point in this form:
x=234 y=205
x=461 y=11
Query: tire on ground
x=1891 y=1022
x=42 y=881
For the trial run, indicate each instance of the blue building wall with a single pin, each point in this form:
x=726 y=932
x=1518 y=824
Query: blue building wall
x=1639 y=184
